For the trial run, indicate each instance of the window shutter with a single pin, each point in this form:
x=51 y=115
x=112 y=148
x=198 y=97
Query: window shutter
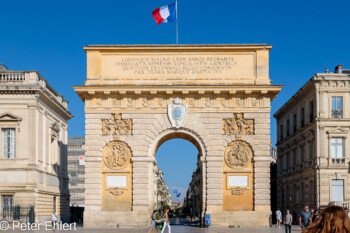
x=12 y=143
x=4 y=144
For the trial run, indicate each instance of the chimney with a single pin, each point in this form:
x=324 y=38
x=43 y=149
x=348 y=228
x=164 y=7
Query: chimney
x=338 y=69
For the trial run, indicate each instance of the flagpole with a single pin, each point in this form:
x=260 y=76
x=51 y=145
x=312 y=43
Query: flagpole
x=177 y=27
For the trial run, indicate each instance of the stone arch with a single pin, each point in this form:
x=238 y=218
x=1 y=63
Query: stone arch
x=183 y=133
x=198 y=142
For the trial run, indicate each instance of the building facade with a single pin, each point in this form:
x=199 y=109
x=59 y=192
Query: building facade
x=313 y=143
x=76 y=171
x=163 y=196
x=215 y=96
x=192 y=202
x=34 y=135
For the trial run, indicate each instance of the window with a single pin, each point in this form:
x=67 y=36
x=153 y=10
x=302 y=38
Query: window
x=281 y=132
x=290 y=159
x=294 y=194
x=302 y=193
x=337 y=147
x=284 y=161
x=294 y=157
x=7 y=202
x=311 y=110
x=311 y=149
x=288 y=127
x=337 y=107
x=337 y=190
x=311 y=188
x=8 y=143
x=302 y=117
x=302 y=153
x=294 y=123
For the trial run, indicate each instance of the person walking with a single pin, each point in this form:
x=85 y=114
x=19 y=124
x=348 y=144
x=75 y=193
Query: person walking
x=333 y=219
x=278 y=217
x=166 y=222
x=288 y=220
x=315 y=216
x=153 y=222
x=305 y=218
x=54 y=220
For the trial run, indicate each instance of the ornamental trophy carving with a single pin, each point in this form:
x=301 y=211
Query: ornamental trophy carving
x=237 y=191
x=116 y=125
x=238 y=125
x=177 y=112
x=116 y=191
x=238 y=154
x=116 y=155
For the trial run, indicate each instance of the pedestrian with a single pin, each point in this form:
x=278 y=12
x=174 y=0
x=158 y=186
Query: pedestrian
x=288 y=220
x=278 y=217
x=166 y=222
x=305 y=218
x=333 y=219
x=54 y=220
x=153 y=221
x=315 y=216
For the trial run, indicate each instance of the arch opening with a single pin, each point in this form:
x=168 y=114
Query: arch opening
x=179 y=167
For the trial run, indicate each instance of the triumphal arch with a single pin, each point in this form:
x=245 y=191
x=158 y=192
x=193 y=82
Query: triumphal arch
x=215 y=96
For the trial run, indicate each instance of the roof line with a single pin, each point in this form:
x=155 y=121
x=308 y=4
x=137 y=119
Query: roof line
x=173 y=45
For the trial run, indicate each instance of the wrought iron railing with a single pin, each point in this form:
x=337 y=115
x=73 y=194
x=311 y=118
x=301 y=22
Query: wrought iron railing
x=337 y=162
x=23 y=214
x=337 y=113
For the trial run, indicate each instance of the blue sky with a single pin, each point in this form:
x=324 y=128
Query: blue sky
x=307 y=37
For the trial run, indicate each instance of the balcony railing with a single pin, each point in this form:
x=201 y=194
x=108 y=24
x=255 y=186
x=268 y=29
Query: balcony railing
x=337 y=161
x=343 y=204
x=337 y=113
x=12 y=77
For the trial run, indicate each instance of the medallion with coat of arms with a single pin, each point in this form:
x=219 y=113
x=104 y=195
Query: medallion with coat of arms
x=116 y=155
x=177 y=113
x=238 y=154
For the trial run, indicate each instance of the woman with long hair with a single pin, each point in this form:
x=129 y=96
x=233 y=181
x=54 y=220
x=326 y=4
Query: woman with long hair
x=333 y=219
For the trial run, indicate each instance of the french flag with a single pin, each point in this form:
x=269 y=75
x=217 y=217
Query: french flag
x=165 y=14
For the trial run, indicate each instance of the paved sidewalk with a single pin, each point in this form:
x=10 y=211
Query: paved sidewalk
x=176 y=229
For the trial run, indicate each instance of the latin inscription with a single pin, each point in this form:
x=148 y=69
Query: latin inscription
x=179 y=65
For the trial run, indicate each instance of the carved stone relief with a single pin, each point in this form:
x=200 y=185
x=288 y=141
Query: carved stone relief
x=116 y=191
x=238 y=154
x=116 y=125
x=192 y=102
x=237 y=191
x=208 y=102
x=116 y=155
x=161 y=102
x=238 y=125
x=146 y=102
x=130 y=103
x=154 y=102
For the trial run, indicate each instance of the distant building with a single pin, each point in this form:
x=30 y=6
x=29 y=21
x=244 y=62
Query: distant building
x=177 y=205
x=192 y=203
x=76 y=170
x=314 y=143
x=34 y=136
x=163 y=196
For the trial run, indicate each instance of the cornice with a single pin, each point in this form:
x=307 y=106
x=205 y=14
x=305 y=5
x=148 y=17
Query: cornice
x=42 y=92
x=91 y=90
x=299 y=96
